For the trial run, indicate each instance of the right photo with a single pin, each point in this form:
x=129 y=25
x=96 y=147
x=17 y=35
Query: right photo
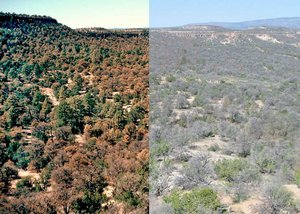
x=224 y=107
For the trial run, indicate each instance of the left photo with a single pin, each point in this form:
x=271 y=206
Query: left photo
x=74 y=104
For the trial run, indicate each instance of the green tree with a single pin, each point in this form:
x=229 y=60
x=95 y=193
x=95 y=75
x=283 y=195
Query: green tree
x=46 y=108
x=14 y=110
x=42 y=131
x=7 y=174
x=78 y=113
x=137 y=113
x=26 y=70
x=89 y=103
x=63 y=114
x=37 y=70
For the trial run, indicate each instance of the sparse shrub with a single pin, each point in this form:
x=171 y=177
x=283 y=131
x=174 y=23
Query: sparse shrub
x=183 y=156
x=182 y=121
x=243 y=181
x=163 y=208
x=159 y=178
x=242 y=145
x=181 y=102
x=277 y=199
x=265 y=160
x=214 y=148
x=161 y=148
x=198 y=171
x=170 y=78
x=198 y=101
x=25 y=186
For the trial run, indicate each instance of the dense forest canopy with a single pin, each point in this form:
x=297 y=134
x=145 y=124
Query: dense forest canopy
x=73 y=118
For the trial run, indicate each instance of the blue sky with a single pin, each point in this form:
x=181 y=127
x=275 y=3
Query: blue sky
x=135 y=13
x=85 y=13
x=164 y=13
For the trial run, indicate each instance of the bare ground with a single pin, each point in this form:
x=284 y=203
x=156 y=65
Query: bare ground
x=23 y=174
x=49 y=92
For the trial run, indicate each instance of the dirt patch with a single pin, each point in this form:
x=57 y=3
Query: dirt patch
x=127 y=108
x=23 y=174
x=49 y=92
x=246 y=207
x=108 y=191
x=191 y=99
x=259 y=103
x=79 y=139
x=230 y=38
x=268 y=38
x=293 y=188
x=205 y=144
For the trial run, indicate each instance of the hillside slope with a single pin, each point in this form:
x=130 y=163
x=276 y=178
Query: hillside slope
x=224 y=120
x=73 y=119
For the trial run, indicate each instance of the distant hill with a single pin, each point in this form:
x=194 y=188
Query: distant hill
x=292 y=22
x=14 y=20
x=103 y=33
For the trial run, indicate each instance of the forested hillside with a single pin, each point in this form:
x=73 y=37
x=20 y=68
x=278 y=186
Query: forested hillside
x=73 y=118
x=225 y=120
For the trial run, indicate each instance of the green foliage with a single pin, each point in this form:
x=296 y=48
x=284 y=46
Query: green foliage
x=297 y=178
x=266 y=165
x=12 y=148
x=191 y=201
x=129 y=198
x=26 y=70
x=21 y=158
x=105 y=52
x=15 y=109
x=7 y=174
x=89 y=103
x=78 y=84
x=265 y=160
x=162 y=148
x=89 y=203
x=137 y=113
x=227 y=169
x=46 y=109
x=64 y=133
x=37 y=70
x=45 y=176
x=81 y=71
x=42 y=132
x=37 y=98
x=4 y=143
x=198 y=101
x=170 y=78
x=117 y=98
x=70 y=114
x=24 y=183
